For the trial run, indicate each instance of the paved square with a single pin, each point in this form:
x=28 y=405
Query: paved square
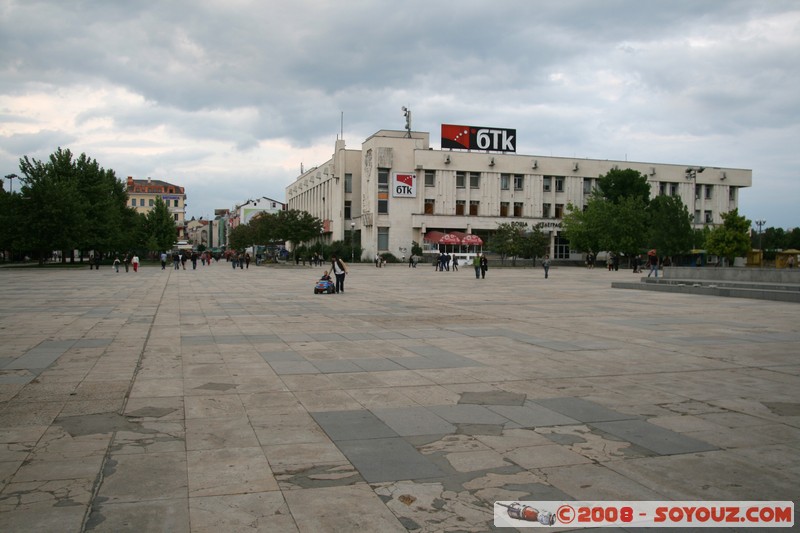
x=221 y=399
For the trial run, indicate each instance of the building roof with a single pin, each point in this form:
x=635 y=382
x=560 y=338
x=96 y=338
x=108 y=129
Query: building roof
x=152 y=186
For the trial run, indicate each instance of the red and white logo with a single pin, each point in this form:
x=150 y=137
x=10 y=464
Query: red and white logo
x=404 y=185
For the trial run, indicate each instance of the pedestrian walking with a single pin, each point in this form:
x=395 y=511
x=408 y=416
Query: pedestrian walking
x=546 y=266
x=652 y=262
x=127 y=261
x=163 y=260
x=135 y=262
x=455 y=264
x=116 y=264
x=476 y=262
x=484 y=266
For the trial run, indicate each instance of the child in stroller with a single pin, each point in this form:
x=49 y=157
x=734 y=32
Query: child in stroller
x=324 y=285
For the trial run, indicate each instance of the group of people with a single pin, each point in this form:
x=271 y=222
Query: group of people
x=129 y=260
x=443 y=261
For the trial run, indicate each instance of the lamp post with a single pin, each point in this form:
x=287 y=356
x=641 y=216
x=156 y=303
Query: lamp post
x=691 y=174
x=760 y=223
x=10 y=177
x=352 y=242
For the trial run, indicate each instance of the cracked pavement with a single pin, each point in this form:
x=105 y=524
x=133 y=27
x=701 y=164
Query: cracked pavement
x=227 y=400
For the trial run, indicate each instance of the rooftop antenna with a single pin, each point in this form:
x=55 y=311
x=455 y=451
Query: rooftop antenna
x=407 y=114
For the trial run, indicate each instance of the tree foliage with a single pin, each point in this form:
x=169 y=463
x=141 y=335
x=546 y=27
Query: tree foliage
x=670 y=226
x=514 y=239
x=68 y=203
x=732 y=238
x=619 y=216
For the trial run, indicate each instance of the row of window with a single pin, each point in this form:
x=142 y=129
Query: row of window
x=152 y=202
x=505 y=208
x=518 y=180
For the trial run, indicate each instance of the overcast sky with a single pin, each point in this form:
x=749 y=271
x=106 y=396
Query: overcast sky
x=228 y=98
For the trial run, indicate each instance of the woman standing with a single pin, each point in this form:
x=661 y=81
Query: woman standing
x=484 y=266
x=339 y=269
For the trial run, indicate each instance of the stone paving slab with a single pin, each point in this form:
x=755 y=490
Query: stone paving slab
x=229 y=400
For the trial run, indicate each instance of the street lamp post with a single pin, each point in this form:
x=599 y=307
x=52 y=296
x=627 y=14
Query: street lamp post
x=352 y=242
x=760 y=223
x=691 y=174
x=10 y=177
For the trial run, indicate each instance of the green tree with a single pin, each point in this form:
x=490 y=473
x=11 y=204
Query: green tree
x=793 y=239
x=297 y=227
x=582 y=227
x=623 y=183
x=507 y=240
x=54 y=214
x=732 y=238
x=161 y=233
x=533 y=244
x=623 y=225
x=670 y=226
x=416 y=249
x=241 y=237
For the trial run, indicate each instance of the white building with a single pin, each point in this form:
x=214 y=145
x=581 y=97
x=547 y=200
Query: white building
x=396 y=188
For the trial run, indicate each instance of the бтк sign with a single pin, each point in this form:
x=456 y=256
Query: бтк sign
x=478 y=138
x=404 y=185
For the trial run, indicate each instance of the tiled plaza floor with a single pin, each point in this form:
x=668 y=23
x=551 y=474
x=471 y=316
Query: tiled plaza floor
x=237 y=400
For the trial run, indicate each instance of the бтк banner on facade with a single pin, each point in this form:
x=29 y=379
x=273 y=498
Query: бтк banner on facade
x=478 y=138
x=404 y=185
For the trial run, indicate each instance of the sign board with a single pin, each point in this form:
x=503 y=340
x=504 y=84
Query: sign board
x=404 y=185
x=478 y=138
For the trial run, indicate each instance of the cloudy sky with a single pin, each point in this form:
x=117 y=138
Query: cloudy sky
x=229 y=97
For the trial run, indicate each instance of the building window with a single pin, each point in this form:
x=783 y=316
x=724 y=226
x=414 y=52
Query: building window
x=383 y=239
x=505 y=180
x=517 y=209
x=662 y=189
x=474 y=180
x=176 y=217
x=673 y=189
x=559 y=210
x=547 y=183
x=709 y=189
x=176 y=203
x=348 y=209
x=133 y=202
x=473 y=207
x=732 y=194
x=697 y=189
x=587 y=185
x=696 y=216
x=141 y=202
x=383 y=191
x=461 y=180
x=151 y=202
x=430 y=178
x=430 y=206
x=503 y=209
x=559 y=184
x=709 y=217
x=460 y=207
x=545 y=210
x=348 y=182
x=519 y=182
